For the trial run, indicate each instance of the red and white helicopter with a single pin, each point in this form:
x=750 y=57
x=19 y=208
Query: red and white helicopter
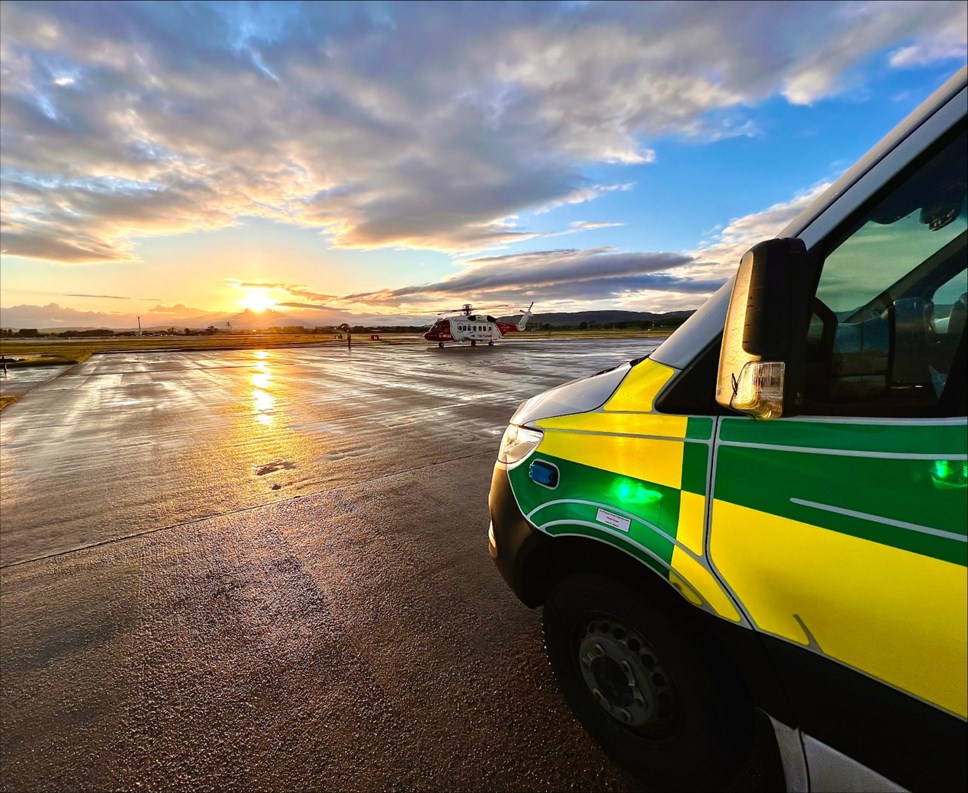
x=468 y=326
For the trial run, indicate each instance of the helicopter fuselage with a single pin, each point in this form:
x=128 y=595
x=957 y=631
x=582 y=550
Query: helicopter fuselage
x=473 y=328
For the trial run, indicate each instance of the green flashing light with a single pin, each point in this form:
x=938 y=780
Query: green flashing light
x=949 y=475
x=629 y=491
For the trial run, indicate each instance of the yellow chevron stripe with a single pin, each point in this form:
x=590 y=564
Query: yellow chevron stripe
x=692 y=521
x=620 y=424
x=640 y=387
x=705 y=584
x=658 y=461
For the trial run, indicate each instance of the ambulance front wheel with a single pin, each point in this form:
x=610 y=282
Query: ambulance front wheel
x=440 y=344
x=640 y=680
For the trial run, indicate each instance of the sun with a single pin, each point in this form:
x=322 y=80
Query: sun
x=257 y=302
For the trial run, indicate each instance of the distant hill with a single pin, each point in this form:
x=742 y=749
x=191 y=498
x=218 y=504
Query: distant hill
x=249 y=320
x=37 y=317
x=605 y=317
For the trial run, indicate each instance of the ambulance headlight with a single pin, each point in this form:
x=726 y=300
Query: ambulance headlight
x=517 y=443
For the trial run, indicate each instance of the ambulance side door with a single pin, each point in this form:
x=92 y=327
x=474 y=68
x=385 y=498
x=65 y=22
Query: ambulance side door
x=842 y=531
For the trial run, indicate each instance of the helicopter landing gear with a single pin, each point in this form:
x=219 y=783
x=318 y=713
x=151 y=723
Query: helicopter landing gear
x=473 y=343
x=440 y=344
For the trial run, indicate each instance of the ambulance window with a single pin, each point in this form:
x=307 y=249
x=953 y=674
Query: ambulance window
x=950 y=301
x=890 y=305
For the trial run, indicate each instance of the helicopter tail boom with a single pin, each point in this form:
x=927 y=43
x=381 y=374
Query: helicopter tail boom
x=523 y=322
x=511 y=327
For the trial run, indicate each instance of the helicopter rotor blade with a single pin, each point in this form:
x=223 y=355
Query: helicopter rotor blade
x=468 y=309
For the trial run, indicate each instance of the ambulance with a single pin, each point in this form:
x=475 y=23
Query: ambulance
x=759 y=530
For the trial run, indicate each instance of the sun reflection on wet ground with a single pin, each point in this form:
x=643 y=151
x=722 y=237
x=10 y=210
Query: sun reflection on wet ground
x=264 y=404
x=263 y=401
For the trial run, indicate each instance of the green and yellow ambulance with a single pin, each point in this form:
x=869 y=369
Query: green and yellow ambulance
x=760 y=529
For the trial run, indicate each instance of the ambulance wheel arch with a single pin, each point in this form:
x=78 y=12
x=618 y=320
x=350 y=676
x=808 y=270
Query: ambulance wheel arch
x=648 y=682
x=550 y=560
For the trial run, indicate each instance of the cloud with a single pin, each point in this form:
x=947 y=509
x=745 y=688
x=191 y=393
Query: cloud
x=720 y=255
x=403 y=125
x=566 y=279
x=83 y=294
x=856 y=30
x=563 y=278
x=286 y=288
x=314 y=307
x=584 y=194
x=278 y=286
x=54 y=315
x=93 y=216
x=573 y=279
x=942 y=40
x=260 y=284
x=109 y=297
x=584 y=225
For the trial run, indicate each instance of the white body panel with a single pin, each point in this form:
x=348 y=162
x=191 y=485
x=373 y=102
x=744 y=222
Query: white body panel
x=474 y=328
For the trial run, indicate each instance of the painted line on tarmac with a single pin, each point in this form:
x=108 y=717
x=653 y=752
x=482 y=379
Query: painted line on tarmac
x=136 y=535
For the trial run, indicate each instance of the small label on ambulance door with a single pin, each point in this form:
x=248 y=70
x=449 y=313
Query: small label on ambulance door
x=613 y=520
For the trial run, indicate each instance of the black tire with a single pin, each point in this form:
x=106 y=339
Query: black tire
x=473 y=343
x=691 y=722
x=440 y=344
x=490 y=344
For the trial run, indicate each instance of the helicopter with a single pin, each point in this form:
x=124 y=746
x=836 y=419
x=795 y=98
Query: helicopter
x=473 y=327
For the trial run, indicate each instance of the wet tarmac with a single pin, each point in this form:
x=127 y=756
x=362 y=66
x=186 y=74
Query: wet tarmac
x=17 y=381
x=268 y=570
x=128 y=443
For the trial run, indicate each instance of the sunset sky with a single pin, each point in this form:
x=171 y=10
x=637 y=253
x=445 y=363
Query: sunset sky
x=174 y=160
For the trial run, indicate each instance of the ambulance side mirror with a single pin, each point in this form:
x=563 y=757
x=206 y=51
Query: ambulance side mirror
x=764 y=340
